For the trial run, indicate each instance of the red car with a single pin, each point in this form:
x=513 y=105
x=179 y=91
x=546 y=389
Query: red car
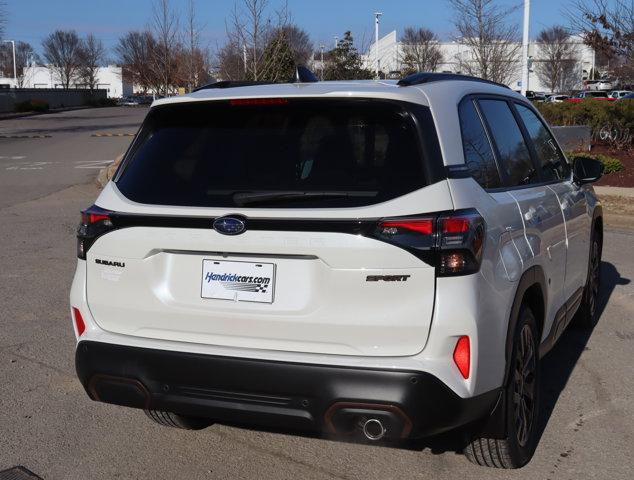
x=590 y=94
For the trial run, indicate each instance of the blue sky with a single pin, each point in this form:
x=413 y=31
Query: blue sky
x=31 y=20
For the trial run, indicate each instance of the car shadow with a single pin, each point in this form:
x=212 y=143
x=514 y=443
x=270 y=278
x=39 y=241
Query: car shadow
x=559 y=363
x=556 y=368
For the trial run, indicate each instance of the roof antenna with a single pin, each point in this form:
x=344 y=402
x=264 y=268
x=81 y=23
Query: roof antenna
x=304 y=75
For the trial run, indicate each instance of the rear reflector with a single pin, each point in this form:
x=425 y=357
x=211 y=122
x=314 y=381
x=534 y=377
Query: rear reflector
x=462 y=356
x=79 y=322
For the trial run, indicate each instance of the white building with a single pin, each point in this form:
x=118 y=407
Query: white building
x=390 y=53
x=108 y=78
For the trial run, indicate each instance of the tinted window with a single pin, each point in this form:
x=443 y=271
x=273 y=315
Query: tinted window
x=553 y=163
x=295 y=153
x=477 y=149
x=514 y=156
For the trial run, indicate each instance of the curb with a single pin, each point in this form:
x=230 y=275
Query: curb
x=11 y=116
x=25 y=136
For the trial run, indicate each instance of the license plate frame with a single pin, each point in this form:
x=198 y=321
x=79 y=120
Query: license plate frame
x=238 y=281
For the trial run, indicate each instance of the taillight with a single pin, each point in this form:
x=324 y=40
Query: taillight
x=95 y=221
x=451 y=242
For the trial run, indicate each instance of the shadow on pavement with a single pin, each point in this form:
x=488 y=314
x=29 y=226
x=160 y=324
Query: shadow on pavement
x=82 y=128
x=558 y=364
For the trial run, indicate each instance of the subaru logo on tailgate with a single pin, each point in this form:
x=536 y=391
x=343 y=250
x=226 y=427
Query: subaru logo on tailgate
x=229 y=225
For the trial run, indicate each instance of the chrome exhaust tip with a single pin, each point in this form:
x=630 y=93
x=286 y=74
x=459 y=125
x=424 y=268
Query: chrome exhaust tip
x=373 y=429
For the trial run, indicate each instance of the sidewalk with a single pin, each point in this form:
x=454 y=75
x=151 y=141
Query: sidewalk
x=615 y=191
x=618 y=206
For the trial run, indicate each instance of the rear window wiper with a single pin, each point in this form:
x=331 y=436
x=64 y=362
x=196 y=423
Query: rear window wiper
x=251 y=198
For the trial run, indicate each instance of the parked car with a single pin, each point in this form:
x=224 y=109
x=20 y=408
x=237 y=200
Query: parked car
x=330 y=259
x=602 y=84
x=616 y=94
x=128 y=101
x=557 y=98
x=629 y=96
x=589 y=94
x=535 y=96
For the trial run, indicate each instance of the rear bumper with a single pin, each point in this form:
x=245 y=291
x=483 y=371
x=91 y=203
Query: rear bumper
x=278 y=395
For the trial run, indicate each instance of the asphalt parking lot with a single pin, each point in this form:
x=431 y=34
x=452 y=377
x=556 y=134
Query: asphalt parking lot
x=49 y=425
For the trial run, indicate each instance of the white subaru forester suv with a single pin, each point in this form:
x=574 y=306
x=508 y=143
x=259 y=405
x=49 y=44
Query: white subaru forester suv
x=387 y=260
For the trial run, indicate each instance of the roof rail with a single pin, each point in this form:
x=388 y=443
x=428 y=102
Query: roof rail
x=302 y=75
x=429 y=77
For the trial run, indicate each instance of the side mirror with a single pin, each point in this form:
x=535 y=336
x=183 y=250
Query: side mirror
x=586 y=170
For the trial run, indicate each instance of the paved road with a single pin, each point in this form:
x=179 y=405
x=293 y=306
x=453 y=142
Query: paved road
x=31 y=168
x=49 y=425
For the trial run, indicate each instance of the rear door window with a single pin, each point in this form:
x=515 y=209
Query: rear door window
x=553 y=164
x=275 y=153
x=514 y=155
x=477 y=149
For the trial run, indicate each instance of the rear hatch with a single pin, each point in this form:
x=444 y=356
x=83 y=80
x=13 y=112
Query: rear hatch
x=253 y=224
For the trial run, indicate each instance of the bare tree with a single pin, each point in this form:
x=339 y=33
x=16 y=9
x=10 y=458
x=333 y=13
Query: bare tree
x=135 y=54
x=3 y=18
x=61 y=51
x=492 y=45
x=252 y=28
x=557 y=64
x=24 y=56
x=165 y=30
x=300 y=44
x=231 y=64
x=197 y=58
x=92 y=55
x=420 y=51
x=607 y=27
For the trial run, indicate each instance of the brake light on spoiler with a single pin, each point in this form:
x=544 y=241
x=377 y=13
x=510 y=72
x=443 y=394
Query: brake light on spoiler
x=451 y=242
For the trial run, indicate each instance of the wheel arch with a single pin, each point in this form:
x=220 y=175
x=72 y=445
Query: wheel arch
x=531 y=290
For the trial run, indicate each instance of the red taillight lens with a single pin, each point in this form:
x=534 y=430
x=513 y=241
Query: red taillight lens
x=95 y=221
x=88 y=217
x=422 y=225
x=79 y=322
x=454 y=225
x=257 y=101
x=451 y=242
x=462 y=356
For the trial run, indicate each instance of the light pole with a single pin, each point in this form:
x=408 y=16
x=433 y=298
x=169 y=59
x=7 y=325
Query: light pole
x=15 y=71
x=527 y=9
x=322 y=48
x=377 y=16
x=244 y=59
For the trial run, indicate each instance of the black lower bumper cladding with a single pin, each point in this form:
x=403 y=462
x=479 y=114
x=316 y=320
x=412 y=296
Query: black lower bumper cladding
x=278 y=395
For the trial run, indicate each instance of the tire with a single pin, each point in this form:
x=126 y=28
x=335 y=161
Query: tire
x=586 y=317
x=522 y=404
x=169 y=419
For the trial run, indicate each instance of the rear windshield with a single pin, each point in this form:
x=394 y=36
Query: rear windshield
x=283 y=153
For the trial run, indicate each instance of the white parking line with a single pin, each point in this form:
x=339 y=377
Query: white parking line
x=82 y=164
x=29 y=166
x=11 y=158
x=93 y=164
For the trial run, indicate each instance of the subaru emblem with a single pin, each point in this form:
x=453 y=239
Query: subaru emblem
x=229 y=225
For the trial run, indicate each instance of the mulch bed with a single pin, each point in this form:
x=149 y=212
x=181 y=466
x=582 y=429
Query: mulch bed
x=624 y=178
